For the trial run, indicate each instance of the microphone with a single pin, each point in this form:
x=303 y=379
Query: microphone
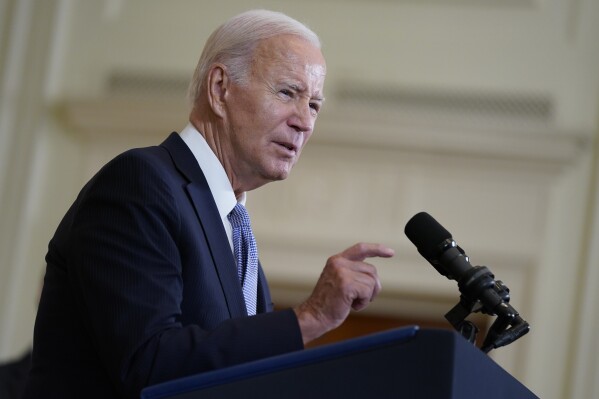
x=437 y=246
x=480 y=292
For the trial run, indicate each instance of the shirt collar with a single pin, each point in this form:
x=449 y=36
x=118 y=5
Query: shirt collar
x=213 y=170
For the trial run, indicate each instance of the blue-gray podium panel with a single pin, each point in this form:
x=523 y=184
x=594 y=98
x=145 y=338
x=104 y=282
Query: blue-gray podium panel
x=407 y=363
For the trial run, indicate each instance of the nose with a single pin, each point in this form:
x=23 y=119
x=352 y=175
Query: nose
x=303 y=118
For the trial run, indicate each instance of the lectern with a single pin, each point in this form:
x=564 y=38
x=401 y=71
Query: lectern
x=405 y=363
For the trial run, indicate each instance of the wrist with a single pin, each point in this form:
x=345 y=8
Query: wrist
x=311 y=327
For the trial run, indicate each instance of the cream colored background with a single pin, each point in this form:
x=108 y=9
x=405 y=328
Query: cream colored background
x=483 y=113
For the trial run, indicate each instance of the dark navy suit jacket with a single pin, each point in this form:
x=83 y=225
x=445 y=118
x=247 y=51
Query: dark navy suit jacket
x=141 y=285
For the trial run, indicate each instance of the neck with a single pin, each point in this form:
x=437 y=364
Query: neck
x=216 y=137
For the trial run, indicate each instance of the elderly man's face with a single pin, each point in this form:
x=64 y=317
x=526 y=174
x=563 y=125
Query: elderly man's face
x=270 y=119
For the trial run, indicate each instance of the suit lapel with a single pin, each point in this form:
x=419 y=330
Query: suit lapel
x=264 y=303
x=208 y=216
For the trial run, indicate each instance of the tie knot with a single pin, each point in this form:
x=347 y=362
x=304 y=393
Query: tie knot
x=239 y=216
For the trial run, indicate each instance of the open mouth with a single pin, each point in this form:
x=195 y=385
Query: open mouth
x=287 y=146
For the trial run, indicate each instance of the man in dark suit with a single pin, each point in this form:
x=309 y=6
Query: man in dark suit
x=141 y=283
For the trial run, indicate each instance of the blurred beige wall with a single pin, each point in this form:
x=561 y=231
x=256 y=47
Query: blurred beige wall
x=483 y=113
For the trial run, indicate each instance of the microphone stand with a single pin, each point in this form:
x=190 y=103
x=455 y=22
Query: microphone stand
x=480 y=292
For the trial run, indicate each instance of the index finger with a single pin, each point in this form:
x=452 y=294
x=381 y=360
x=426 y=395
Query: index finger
x=362 y=250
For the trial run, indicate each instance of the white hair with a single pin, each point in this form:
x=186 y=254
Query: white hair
x=233 y=44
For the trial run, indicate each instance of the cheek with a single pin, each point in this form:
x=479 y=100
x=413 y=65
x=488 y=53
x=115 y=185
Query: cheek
x=277 y=110
x=260 y=114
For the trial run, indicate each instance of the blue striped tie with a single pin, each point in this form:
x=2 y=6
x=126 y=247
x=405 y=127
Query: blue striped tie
x=246 y=253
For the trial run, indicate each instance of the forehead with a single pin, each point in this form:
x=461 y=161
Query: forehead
x=289 y=56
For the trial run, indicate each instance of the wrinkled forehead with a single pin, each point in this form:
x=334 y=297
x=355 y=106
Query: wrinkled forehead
x=290 y=51
x=291 y=60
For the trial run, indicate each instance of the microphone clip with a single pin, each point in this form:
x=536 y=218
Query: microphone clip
x=480 y=292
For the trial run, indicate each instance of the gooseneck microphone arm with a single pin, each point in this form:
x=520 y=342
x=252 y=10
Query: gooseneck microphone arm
x=480 y=292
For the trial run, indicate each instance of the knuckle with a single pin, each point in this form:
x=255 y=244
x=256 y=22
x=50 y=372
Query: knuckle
x=335 y=262
x=361 y=246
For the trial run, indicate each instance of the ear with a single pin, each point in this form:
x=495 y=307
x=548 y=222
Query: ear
x=218 y=85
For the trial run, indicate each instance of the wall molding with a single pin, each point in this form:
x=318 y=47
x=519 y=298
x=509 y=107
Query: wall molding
x=356 y=126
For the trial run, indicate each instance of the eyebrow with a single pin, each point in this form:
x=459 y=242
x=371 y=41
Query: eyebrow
x=300 y=88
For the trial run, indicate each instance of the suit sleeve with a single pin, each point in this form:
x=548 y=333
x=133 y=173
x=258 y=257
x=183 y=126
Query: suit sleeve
x=126 y=272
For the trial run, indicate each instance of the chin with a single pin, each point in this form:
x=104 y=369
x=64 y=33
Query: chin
x=280 y=176
x=279 y=171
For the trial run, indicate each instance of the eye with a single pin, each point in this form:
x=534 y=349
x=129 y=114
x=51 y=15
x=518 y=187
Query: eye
x=315 y=107
x=286 y=93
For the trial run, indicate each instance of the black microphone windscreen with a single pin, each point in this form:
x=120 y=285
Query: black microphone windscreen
x=426 y=234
